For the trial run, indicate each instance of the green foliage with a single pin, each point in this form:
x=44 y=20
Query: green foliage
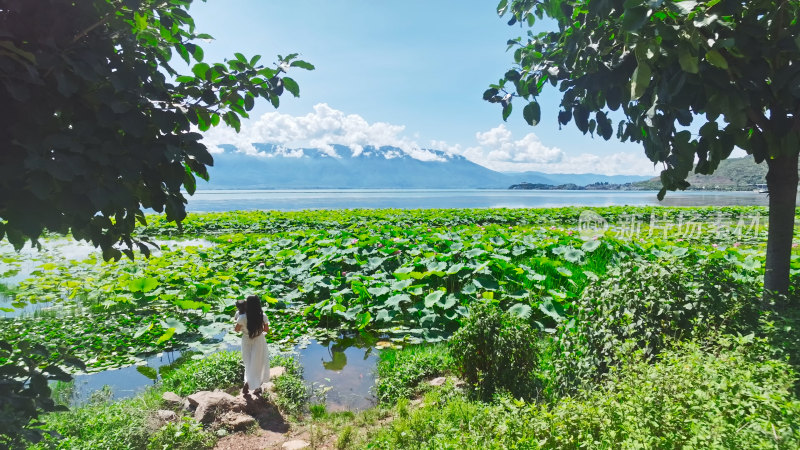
x=345 y=438
x=24 y=390
x=292 y=393
x=97 y=126
x=94 y=138
x=316 y=279
x=103 y=424
x=647 y=305
x=219 y=370
x=401 y=371
x=782 y=330
x=663 y=64
x=657 y=62
x=187 y=434
x=496 y=351
x=727 y=397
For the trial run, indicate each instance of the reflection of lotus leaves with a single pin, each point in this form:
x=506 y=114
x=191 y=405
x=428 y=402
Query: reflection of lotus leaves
x=338 y=362
x=591 y=225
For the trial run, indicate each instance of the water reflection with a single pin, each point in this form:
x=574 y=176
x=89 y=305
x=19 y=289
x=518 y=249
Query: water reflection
x=347 y=366
x=122 y=383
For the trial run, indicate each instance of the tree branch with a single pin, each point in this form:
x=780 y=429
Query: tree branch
x=89 y=29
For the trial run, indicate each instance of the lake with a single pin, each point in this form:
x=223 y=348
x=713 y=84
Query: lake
x=345 y=365
x=292 y=200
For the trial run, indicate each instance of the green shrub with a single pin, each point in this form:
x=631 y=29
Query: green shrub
x=290 y=389
x=103 y=424
x=220 y=370
x=496 y=351
x=691 y=397
x=345 y=438
x=400 y=371
x=187 y=434
x=646 y=305
x=292 y=393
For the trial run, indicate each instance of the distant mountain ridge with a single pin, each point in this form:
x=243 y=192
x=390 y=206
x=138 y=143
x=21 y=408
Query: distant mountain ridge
x=383 y=167
x=734 y=174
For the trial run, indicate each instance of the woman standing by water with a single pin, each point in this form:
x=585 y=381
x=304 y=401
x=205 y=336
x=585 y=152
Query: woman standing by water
x=254 y=345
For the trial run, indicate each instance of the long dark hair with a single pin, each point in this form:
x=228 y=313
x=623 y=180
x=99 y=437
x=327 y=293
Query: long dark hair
x=255 y=316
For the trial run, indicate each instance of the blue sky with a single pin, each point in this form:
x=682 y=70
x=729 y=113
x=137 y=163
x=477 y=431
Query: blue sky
x=407 y=73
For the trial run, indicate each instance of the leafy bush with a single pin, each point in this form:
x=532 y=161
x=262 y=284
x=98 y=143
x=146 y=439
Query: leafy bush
x=103 y=424
x=729 y=397
x=782 y=329
x=220 y=370
x=496 y=351
x=292 y=392
x=187 y=434
x=646 y=305
x=400 y=371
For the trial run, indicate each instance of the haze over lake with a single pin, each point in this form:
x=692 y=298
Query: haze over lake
x=293 y=200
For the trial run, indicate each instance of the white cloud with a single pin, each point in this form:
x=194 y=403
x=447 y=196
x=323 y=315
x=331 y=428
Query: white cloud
x=495 y=148
x=498 y=150
x=321 y=129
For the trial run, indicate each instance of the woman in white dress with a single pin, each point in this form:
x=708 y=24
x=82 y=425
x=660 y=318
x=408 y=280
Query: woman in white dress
x=254 y=323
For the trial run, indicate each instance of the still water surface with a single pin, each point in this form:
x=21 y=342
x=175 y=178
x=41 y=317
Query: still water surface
x=344 y=365
x=292 y=200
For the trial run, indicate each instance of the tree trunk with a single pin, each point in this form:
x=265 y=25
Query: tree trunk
x=782 y=187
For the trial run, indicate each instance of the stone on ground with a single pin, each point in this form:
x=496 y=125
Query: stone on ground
x=438 y=381
x=236 y=421
x=275 y=372
x=172 y=398
x=166 y=415
x=295 y=445
x=209 y=405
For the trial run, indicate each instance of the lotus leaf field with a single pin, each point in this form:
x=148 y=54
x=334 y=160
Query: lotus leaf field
x=402 y=275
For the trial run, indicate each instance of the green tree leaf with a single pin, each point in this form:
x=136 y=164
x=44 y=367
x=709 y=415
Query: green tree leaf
x=532 y=113
x=716 y=59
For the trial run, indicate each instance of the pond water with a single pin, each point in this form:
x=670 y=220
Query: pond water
x=345 y=365
x=17 y=266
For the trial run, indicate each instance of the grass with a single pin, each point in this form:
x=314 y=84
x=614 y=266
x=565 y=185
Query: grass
x=106 y=424
x=726 y=397
x=401 y=371
x=222 y=370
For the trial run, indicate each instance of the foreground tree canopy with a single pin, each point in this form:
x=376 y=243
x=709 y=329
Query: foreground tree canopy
x=97 y=124
x=665 y=65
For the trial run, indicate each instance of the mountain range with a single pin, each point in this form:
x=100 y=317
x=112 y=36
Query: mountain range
x=384 y=167
x=733 y=174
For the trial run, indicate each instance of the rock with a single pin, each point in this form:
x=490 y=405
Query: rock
x=275 y=372
x=236 y=421
x=416 y=402
x=438 y=381
x=295 y=445
x=167 y=415
x=256 y=406
x=210 y=405
x=172 y=398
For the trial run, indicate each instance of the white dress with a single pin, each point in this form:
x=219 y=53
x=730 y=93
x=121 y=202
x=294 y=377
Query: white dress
x=254 y=355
